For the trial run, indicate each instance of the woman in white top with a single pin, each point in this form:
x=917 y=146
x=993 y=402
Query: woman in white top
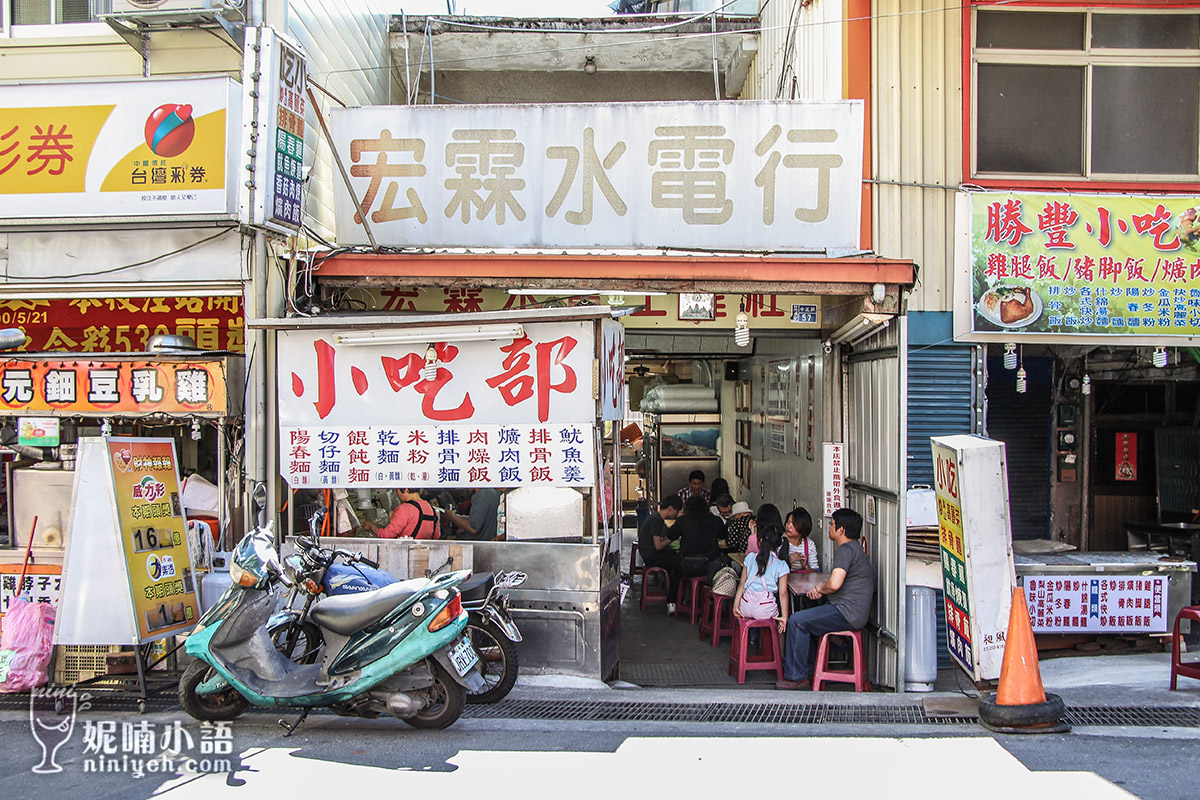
x=798 y=550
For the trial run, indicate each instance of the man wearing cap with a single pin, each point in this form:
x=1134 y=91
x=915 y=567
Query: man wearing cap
x=737 y=527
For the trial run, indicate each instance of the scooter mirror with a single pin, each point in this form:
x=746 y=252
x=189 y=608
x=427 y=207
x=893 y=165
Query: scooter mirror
x=258 y=496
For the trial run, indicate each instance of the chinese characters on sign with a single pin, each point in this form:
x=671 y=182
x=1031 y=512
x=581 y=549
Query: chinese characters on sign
x=751 y=174
x=1127 y=457
x=280 y=75
x=43 y=583
x=835 y=473
x=443 y=455
x=1085 y=264
x=106 y=387
x=1097 y=603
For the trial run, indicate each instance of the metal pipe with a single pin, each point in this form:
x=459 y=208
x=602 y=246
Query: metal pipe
x=341 y=167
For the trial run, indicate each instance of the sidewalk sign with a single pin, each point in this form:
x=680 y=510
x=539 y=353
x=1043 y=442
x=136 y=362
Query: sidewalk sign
x=978 y=575
x=127 y=575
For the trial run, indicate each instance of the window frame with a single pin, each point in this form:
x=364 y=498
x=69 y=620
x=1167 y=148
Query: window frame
x=42 y=30
x=1088 y=58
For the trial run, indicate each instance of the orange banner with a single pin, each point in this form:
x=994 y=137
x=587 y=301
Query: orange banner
x=102 y=388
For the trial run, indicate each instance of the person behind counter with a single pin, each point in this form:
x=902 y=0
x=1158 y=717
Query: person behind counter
x=480 y=524
x=412 y=518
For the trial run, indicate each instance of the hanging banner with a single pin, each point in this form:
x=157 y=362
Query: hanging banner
x=1082 y=265
x=103 y=388
x=156 y=148
x=612 y=370
x=1097 y=603
x=753 y=175
x=1127 y=457
x=124 y=325
x=835 y=474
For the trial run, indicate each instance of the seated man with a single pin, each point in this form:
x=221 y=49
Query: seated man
x=849 y=588
x=695 y=488
x=654 y=543
x=413 y=517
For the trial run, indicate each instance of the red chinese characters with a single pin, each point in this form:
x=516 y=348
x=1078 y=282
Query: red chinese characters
x=516 y=385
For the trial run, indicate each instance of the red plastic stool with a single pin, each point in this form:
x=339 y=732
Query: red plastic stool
x=634 y=569
x=689 y=598
x=1189 y=669
x=716 y=615
x=649 y=594
x=770 y=654
x=858 y=657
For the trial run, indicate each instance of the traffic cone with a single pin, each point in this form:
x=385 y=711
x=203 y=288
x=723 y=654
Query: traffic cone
x=1021 y=704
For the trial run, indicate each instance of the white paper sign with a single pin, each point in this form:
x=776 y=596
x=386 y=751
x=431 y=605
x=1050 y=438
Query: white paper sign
x=760 y=175
x=443 y=455
x=1097 y=603
x=834 y=472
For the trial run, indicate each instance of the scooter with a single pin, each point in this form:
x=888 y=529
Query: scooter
x=398 y=650
x=334 y=573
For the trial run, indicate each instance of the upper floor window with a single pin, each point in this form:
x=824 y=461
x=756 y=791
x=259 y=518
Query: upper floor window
x=53 y=12
x=1096 y=95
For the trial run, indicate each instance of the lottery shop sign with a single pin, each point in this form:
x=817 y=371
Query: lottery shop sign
x=103 y=150
x=1097 y=603
x=1083 y=265
x=100 y=388
x=504 y=412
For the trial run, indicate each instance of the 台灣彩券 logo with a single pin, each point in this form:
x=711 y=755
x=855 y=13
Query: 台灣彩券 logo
x=149 y=489
x=170 y=130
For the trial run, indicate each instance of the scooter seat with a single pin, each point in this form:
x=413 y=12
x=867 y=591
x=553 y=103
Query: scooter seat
x=476 y=588
x=348 y=613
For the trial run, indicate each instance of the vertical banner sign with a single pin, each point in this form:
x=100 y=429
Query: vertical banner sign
x=612 y=370
x=150 y=513
x=812 y=403
x=971 y=484
x=1127 y=465
x=834 y=472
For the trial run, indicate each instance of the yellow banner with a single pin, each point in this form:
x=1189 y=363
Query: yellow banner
x=153 y=531
x=48 y=149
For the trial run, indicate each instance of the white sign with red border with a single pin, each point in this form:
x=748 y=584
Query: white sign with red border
x=835 y=473
x=1097 y=603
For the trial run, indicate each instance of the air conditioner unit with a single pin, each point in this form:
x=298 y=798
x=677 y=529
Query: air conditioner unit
x=126 y=7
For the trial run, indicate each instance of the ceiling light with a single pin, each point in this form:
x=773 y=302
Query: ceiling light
x=741 y=333
x=1022 y=383
x=1160 y=357
x=445 y=333
x=589 y=65
x=1010 y=356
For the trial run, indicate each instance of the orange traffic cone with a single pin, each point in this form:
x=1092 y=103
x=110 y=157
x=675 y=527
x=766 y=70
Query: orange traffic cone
x=1020 y=678
x=1021 y=704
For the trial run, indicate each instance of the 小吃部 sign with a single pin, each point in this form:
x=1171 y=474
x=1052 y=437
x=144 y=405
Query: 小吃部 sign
x=835 y=474
x=1083 y=265
x=757 y=175
x=81 y=386
x=1097 y=603
x=37 y=431
x=103 y=150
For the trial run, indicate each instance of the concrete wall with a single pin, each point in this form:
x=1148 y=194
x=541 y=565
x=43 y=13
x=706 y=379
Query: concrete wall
x=576 y=87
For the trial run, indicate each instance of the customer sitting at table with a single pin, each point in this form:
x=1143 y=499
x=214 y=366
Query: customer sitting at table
x=849 y=588
x=654 y=543
x=737 y=528
x=762 y=591
x=798 y=550
x=768 y=515
x=699 y=535
x=722 y=507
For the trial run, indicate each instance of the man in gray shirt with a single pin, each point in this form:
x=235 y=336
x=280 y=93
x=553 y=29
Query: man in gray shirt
x=481 y=524
x=849 y=588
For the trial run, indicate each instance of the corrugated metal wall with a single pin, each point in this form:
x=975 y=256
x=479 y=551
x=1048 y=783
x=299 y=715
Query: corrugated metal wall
x=941 y=395
x=348 y=54
x=917 y=139
x=874 y=400
x=799 y=52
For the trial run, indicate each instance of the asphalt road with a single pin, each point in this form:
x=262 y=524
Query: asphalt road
x=333 y=757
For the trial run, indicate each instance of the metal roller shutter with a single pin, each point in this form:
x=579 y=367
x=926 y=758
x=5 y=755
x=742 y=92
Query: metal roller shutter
x=1023 y=423
x=941 y=394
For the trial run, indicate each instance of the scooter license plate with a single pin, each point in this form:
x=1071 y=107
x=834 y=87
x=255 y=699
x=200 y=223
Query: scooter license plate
x=463 y=656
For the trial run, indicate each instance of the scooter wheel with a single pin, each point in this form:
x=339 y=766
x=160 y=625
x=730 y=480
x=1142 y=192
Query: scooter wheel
x=446 y=701
x=218 y=707
x=497 y=657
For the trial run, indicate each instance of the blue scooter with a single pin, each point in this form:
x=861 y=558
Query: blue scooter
x=398 y=650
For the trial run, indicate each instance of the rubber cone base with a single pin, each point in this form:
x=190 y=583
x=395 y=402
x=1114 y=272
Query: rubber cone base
x=1028 y=718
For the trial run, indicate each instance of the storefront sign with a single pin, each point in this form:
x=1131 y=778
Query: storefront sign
x=438 y=455
x=37 y=431
x=544 y=377
x=1097 y=603
x=750 y=175
x=124 y=325
x=43 y=582
x=1084 y=265
x=150 y=515
x=1127 y=457
x=834 y=472
x=971 y=485
x=103 y=388
x=612 y=370
x=103 y=150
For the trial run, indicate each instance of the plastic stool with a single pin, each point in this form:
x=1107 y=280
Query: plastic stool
x=634 y=569
x=689 y=598
x=770 y=654
x=858 y=657
x=650 y=594
x=1190 y=669
x=713 y=616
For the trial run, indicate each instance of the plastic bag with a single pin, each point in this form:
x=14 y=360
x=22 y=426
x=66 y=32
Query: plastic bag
x=28 y=632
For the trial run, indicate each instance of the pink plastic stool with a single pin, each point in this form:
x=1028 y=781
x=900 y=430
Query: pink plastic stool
x=716 y=615
x=858 y=658
x=689 y=598
x=770 y=655
x=634 y=569
x=649 y=594
x=1190 y=669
